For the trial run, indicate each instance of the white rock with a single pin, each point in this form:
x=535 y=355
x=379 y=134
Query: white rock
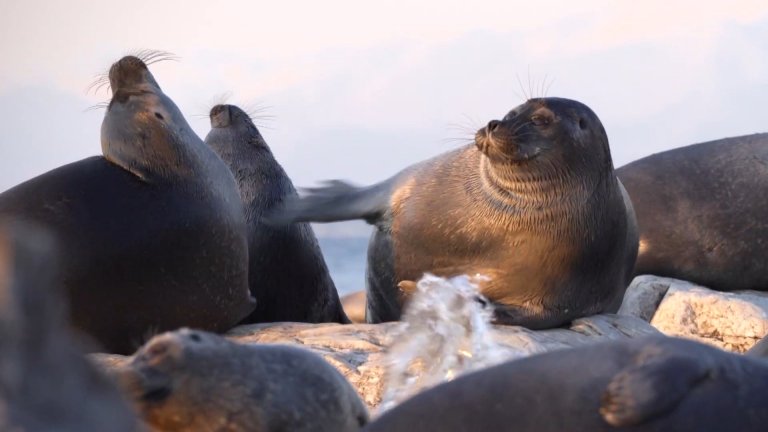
x=734 y=321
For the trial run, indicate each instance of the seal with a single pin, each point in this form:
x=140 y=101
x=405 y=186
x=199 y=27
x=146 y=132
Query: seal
x=645 y=384
x=154 y=231
x=702 y=213
x=45 y=384
x=287 y=272
x=759 y=349
x=196 y=381
x=534 y=205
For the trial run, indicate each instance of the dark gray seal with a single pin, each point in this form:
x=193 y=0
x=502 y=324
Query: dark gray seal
x=648 y=384
x=45 y=384
x=196 y=381
x=703 y=213
x=153 y=232
x=534 y=205
x=287 y=272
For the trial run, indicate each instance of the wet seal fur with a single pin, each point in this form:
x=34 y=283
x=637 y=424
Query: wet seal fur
x=534 y=205
x=45 y=384
x=703 y=213
x=154 y=234
x=195 y=381
x=647 y=384
x=287 y=272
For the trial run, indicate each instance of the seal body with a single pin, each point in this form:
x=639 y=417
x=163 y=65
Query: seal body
x=153 y=231
x=534 y=206
x=702 y=212
x=287 y=272
x=45 y=384
x=647 y=384
x=196 y=381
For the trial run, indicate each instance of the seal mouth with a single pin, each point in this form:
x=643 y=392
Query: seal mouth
x=502 y=147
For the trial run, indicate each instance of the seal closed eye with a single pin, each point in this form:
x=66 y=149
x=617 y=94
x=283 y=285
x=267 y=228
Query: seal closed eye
x=153 y=229
x=534 y=205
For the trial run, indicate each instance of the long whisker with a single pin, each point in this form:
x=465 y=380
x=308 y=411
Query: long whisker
x=98 y=106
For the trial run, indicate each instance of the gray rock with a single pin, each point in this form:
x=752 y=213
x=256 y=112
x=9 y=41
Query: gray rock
x=358 y=351
x=644 y=295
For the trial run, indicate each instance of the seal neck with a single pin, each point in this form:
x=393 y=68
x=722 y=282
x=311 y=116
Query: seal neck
x=544 y=185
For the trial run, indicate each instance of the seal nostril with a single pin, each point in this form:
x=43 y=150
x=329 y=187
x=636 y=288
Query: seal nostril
x=160 y=116
x=493 y=125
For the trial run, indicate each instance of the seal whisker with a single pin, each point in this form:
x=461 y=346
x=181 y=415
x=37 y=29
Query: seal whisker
x=546 y=92
x=149 y=56
x=522 y=88
x=99 y=81
x=98 y=106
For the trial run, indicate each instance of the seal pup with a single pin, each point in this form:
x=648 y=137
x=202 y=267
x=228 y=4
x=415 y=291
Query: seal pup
x=287 y=272
x=153 y=230
x=196 y=381
x=702 y=212
x=45 y=384
x=534 y=205
x=647 y=384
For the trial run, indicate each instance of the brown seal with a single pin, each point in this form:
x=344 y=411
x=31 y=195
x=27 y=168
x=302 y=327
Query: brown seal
x=702 y=212
x=154 y=231
x=647 y=384
x=196 y=381
x=45 y=384
x=287 y=272
x=534 y=205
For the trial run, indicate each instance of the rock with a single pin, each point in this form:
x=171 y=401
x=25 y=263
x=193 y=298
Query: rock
x=358 y=350
x=644 y=295
x=354 y=306
x=733 y=321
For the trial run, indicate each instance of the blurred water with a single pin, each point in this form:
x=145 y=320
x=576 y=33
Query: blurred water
x=446 y=332
x=346 y=257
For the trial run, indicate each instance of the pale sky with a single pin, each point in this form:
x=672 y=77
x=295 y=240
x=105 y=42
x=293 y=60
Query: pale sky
x=359 y=90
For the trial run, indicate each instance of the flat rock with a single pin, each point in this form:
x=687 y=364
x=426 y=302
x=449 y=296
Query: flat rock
x=358 y=351
x=733 y=321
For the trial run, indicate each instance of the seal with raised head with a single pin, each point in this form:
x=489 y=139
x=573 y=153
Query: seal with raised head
x=534 y=205
x=196 y=381
x=45 y=383
x=287 y=272
x=702 y=212
x=647 y=384
x=154 y=232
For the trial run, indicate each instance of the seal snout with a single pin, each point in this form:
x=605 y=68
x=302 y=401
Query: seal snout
x=128 y=73
x=220 y=116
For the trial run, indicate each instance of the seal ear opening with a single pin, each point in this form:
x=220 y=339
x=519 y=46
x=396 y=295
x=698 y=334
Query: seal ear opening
x=652 y=388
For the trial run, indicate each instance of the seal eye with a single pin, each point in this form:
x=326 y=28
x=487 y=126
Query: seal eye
x=582 y=123
x=540 y=120
x=195 y=337
x=160 y=116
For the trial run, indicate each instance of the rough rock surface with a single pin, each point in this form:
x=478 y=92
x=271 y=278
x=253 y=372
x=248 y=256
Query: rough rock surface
x=733 y=321
x=359 y=350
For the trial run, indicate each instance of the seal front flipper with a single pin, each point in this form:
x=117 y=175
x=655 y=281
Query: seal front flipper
x=337 y=200
x=652 y=387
